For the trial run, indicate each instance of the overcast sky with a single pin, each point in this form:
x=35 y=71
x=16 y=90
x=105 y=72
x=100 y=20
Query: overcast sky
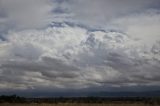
x=79 y=44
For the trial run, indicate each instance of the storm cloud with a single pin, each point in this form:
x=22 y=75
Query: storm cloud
x=80 y=44
x=65 y=56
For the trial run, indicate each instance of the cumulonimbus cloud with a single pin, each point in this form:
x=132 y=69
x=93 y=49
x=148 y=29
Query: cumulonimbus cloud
x=67 y=56
x=79 y=44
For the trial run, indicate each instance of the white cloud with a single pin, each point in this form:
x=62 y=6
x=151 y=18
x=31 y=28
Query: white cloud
x=65 y=57
x=141 y=26
x=20 y=14
x=75 y=55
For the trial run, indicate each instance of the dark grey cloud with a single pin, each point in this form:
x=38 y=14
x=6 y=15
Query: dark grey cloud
x=30 y=74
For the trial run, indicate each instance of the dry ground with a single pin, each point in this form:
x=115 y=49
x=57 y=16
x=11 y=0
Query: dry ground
x=79 y=104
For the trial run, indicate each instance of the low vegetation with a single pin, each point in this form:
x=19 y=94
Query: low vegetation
x=14 y=100
x=80 y=104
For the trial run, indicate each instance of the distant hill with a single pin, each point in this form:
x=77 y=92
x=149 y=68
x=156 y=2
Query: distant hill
x=127 y=94
x=86 y=94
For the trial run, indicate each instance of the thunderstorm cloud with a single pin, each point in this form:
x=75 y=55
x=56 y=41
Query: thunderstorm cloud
x=79 y=44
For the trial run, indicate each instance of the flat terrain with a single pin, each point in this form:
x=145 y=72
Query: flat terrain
x=80 y=104
x=14 y=100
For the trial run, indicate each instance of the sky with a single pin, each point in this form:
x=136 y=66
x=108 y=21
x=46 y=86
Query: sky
x=80 y=45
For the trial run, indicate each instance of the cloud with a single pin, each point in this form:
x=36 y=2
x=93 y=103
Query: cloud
x=72 y=57
x=31 y=74
x=40 y=13
x=20 y=14
x=79 y=44
x=141 y=26
x=101 y=12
